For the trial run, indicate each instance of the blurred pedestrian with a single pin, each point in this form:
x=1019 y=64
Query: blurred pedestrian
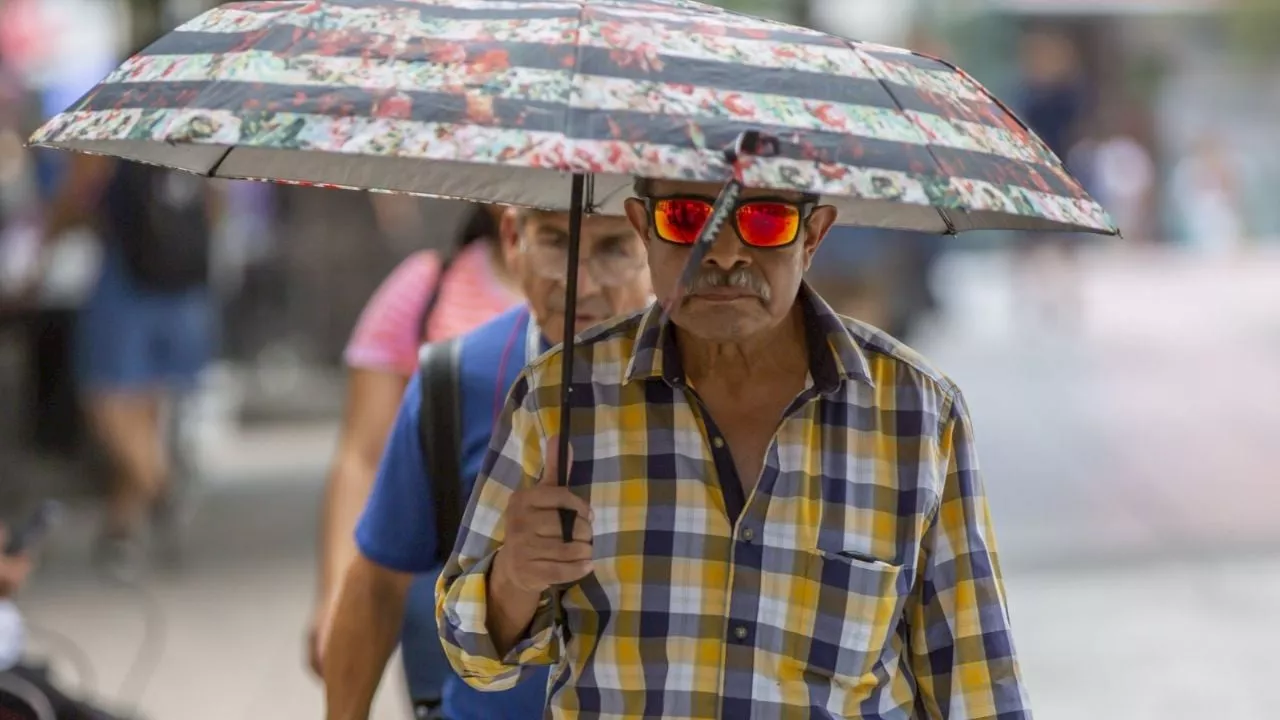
x=1054 y=100
x=430 y=296
x=397 y=533
x=145 y=332
x=1211 y=207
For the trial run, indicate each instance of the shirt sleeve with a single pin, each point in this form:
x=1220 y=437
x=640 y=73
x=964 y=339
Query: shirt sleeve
x=397 y=528
x=961 y=646
x=389 y=331
x=513 y=461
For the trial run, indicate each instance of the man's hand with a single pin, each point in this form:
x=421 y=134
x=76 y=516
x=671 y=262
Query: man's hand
x=13 y=570
x=534 y=556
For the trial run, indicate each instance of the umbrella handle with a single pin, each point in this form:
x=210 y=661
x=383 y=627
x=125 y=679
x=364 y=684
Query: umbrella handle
x=751 y=143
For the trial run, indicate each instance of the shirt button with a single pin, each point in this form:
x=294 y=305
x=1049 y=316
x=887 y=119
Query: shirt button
x=748 y=534
x=740 y=632
x=718 y=442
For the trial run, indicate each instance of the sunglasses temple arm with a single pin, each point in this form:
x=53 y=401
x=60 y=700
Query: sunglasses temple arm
x=749 y=145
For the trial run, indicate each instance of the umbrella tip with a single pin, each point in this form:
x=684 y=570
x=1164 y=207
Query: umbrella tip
x=754 y=143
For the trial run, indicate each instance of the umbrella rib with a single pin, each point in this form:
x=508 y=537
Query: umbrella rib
x=213 y=171
x=946 y=219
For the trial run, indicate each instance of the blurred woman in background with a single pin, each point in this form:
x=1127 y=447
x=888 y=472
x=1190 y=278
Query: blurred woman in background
x=430 y=296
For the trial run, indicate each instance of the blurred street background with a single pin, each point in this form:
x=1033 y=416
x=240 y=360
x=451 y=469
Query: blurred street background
x=1126 y=392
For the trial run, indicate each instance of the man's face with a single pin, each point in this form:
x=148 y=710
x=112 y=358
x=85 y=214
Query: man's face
x=611 y=275
x=740 y=289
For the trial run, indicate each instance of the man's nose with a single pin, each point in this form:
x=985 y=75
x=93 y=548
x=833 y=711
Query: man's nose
x=727 y=251
x=588 y=285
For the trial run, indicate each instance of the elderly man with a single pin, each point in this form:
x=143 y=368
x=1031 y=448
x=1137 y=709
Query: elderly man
x=396 y=535
x=779 y=509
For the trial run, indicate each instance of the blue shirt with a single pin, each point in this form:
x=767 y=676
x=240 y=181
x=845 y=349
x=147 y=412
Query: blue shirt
x=397 y=529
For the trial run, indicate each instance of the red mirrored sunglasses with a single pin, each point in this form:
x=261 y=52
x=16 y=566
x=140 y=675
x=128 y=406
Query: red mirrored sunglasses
x=759 y=222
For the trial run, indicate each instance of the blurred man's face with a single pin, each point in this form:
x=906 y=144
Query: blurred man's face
x=611 y=275
x=740 y=289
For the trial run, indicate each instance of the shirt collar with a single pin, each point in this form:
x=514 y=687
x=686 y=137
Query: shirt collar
x=535 y=343
x=834 y=354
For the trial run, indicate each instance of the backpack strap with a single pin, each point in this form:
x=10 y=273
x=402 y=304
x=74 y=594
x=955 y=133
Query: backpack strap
x=440 y=434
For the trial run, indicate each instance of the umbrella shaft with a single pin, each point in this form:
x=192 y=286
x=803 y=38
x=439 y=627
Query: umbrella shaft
x=568 y=517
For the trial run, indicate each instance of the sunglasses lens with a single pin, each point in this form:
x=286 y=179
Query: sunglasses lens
x=680 y=220
x=768 y=224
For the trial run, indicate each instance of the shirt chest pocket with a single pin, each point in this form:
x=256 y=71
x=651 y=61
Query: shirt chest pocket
x=844 y=611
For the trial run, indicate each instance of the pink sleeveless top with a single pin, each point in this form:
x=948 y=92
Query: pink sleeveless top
x=387 y=336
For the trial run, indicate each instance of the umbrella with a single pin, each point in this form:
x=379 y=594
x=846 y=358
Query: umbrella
x=560 y=104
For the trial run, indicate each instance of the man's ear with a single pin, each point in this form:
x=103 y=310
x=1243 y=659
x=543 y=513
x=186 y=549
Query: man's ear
x=509 y=235
x=815 y=230
x=638 y=215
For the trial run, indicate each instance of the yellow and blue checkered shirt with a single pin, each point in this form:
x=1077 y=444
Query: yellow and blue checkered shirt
x=858 y=580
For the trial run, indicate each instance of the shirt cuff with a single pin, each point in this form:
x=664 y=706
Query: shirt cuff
x=465 y=633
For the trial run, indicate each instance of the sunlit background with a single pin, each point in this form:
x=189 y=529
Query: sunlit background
x=1126 y=392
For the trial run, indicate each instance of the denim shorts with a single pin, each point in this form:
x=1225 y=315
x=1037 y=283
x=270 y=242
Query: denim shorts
x=129 y=338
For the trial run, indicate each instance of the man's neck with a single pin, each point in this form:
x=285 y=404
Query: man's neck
x=778 y=352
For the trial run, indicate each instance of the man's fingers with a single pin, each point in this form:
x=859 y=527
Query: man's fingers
x=555 y=550
x=547 y=525
x=553 y=498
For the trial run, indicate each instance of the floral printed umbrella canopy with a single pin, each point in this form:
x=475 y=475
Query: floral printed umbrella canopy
x=511 y=99
x=558 y=104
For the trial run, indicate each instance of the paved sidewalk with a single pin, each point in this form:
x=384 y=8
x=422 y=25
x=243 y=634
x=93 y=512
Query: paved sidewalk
x=1164 y=642
x=1169 y=641
x=228 y=643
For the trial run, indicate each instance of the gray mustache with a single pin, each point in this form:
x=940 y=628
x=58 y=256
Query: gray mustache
x=742 y=278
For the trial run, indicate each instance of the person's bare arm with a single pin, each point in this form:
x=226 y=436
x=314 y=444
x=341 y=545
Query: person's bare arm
x=363 y=634
x=373 y=398
x=511 y=608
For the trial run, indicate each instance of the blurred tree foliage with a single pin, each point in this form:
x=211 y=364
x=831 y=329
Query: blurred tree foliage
x=1254 y=27
x=792 y=11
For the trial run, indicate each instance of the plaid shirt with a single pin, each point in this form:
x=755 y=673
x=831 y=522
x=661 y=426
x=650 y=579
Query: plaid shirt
x=858 y=580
